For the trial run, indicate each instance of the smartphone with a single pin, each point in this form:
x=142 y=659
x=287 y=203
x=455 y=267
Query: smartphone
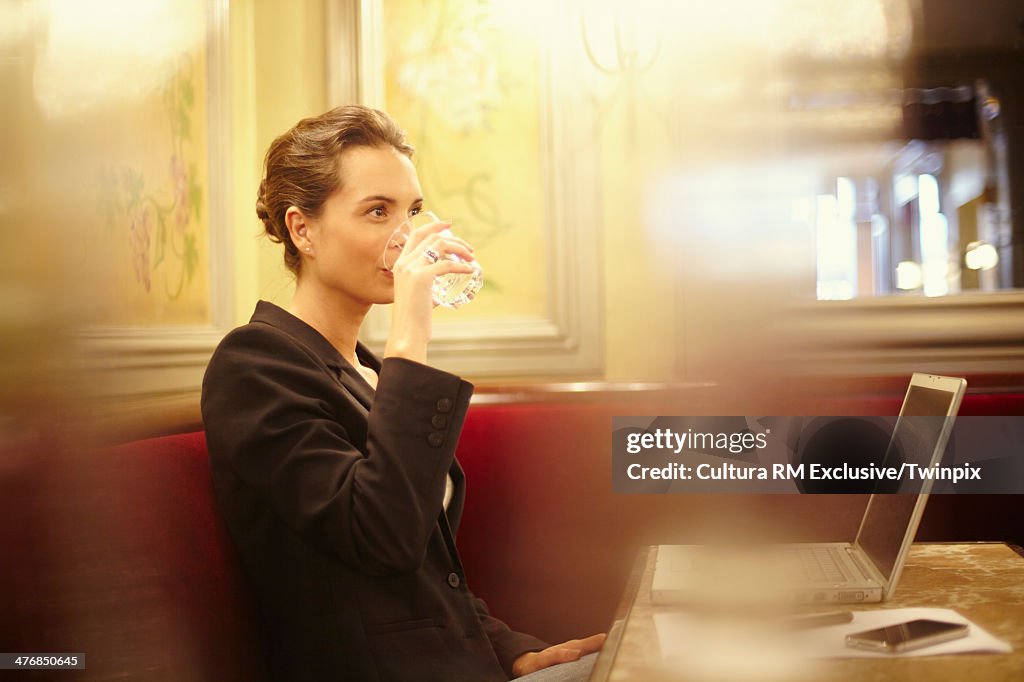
x=914 y=634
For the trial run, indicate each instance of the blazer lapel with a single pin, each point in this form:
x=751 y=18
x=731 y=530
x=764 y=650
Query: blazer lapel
x=355 y=385
x=352 y=381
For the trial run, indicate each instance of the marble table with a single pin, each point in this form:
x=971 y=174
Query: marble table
x=982 y=581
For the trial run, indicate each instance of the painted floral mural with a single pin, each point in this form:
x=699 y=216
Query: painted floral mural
x=463 y=82
x=159 y=215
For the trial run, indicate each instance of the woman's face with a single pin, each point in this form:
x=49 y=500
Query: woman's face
x=379 y=190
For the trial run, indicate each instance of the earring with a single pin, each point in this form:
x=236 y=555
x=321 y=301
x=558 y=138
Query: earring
x=308 y=249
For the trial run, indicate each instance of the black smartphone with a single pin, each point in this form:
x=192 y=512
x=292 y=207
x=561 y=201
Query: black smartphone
x=914 y=634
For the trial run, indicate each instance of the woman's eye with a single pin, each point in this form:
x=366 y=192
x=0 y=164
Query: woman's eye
x=379 y=212
x=415 y=211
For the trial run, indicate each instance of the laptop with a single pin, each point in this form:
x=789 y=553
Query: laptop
x=866 y=570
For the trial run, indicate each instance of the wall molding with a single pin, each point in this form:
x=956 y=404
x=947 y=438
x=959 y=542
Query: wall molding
x=961 y=334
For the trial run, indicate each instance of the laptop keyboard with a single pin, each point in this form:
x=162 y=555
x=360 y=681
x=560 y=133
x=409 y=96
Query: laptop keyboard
x=820 y=564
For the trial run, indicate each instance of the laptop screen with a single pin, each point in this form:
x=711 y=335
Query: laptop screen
x=916 y=439
x=886 y=523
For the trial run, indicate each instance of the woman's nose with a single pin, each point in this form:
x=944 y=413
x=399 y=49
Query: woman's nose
x=394 y=246
x=404 y=227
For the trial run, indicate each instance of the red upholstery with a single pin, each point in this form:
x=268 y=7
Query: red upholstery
x=119 y=553
x=549 y=546
x=127 y=563
x=974 y=404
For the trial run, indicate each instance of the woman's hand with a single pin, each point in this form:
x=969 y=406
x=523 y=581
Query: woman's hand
x=414 y=274
x=565 y=652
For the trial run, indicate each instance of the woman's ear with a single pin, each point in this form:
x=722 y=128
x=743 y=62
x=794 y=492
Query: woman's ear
x=298 y=230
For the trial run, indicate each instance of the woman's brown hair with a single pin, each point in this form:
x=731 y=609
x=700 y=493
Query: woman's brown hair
x=301 y=167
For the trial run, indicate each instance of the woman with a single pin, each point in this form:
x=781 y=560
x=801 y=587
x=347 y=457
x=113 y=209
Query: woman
x=334 y=470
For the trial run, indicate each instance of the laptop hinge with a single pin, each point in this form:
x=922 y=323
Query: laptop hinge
x=864 y=572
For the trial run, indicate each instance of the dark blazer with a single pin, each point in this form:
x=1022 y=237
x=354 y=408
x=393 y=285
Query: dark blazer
x=333 y=494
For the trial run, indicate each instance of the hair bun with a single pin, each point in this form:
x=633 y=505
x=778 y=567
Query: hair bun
x=263 y=213
x=261 y=206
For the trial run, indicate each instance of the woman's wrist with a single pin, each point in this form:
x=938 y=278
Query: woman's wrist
x=410 y=350
x=519 y=665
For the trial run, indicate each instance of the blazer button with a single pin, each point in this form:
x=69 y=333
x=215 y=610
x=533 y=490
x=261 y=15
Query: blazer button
x=439 y=421
x=436 y=438
x=444 y=405
x=453 y=580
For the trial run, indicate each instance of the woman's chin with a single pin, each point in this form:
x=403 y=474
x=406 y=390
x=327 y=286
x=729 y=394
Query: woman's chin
x=389 y=296
x=386 y=294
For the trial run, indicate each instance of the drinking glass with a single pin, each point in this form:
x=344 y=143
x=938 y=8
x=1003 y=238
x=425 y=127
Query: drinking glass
x=453 y=290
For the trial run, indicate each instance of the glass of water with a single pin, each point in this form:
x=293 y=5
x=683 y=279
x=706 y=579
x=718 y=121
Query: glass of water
x=453 y=290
